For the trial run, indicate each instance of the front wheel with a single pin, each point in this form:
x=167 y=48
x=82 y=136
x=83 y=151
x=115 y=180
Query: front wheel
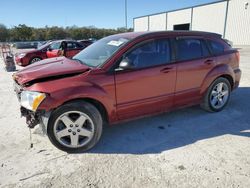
x=75 y=127
x=35 y=59
x=217 y=95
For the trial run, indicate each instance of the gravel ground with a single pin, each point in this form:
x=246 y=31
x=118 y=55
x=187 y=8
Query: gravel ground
x=185 y=148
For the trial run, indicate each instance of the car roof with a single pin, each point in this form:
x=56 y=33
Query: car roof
x=65 y=40
x=133 y=35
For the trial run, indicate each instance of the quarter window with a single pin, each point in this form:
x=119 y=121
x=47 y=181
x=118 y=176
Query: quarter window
x=217 y=48
x=152 y=53
x=191 y=49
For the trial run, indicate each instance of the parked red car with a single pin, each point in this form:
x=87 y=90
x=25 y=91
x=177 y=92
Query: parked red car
x=86 y=42
x=48 y=50
x=123 y=77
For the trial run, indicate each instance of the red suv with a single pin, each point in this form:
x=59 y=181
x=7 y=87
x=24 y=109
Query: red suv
x=123 y=77
x=48 y=50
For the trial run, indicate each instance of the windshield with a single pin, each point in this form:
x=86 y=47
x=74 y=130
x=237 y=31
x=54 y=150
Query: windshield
x=97 y=53
x=43 y=46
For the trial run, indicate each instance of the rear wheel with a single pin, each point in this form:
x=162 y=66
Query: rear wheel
x=217 y=96
x=75 y=127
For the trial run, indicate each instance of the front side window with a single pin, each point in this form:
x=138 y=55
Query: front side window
x=152 y=53
x=55 y=46
x=188 y=49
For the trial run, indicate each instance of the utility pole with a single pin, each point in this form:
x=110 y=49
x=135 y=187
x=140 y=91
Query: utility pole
x=126 y=15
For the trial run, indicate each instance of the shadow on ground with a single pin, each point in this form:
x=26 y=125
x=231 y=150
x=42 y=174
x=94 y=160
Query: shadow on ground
x=177 y=128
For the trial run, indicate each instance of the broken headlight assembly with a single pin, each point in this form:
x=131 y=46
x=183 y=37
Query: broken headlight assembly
x=31 y=99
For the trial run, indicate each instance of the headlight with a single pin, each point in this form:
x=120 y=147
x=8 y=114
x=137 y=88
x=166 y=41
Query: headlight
x=21 y=55
x=31 y=100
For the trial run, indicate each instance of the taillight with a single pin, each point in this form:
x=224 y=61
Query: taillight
x=237 y=56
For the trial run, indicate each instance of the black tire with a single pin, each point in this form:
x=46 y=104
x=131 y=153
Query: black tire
x=206 y=104
x=85 y=108
x=32 y=60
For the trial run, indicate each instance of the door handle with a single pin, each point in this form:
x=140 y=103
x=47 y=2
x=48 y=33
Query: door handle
x=209 y=61
x=166 y=70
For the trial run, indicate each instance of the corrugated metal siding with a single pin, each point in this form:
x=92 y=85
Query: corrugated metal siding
x=205 y=18
x=178 y=17
x=238 y=22
x=157 y=22
x=141 y=24
x=210 y=18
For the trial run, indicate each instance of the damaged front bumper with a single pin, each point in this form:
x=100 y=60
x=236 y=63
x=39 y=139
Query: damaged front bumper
x=33 y=118
x=40 y=117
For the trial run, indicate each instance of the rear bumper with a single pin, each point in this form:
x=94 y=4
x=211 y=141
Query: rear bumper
x=237 y=73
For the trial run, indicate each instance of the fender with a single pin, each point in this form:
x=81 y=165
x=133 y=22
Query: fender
x=217 y=71
x=78 y=90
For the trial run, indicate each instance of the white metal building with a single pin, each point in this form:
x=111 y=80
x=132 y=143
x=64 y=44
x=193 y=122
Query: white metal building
x=230 y=18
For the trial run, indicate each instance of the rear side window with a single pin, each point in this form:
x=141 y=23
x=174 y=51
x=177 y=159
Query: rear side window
x=188 y=49
x=71 y=45
x=152 y=53
x=78 y=45
x=216 y=47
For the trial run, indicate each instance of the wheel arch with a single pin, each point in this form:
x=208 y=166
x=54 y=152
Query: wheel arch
x=102 y=109
x=35 y=57
x=223 y=70
x=229 y=78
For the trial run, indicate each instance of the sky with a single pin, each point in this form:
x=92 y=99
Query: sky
x=98 y=13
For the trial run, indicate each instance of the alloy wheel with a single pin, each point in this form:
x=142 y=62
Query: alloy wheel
x=74 y=129
x=35 y=60
x=219 y=95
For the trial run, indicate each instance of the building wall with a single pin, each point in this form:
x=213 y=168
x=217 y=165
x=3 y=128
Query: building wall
x=158 y=22
x=141 y=24
x=178 y=17
x=210 y=18
x=238 y=22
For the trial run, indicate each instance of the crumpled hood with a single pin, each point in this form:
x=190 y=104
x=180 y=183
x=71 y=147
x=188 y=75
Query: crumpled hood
x=47 y=68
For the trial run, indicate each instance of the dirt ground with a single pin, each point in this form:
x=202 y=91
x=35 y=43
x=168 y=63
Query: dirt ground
x=185 y=148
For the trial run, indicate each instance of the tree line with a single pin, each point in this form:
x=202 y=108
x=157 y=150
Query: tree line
x=23 y=32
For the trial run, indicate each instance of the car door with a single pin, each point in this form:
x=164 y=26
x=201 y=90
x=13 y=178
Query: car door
x=149 y=86
x=53 y=50
x=73 y=48
x=193 y=64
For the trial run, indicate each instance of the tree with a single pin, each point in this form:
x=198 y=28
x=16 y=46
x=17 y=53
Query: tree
x=75 y=33
x=4 y=33
x=39 y=34
x=21 y=32
x=25 y=33
x=56 y=33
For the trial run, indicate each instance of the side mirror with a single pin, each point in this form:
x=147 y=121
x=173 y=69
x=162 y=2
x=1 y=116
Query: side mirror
x=126 y=64
x=49 y=49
